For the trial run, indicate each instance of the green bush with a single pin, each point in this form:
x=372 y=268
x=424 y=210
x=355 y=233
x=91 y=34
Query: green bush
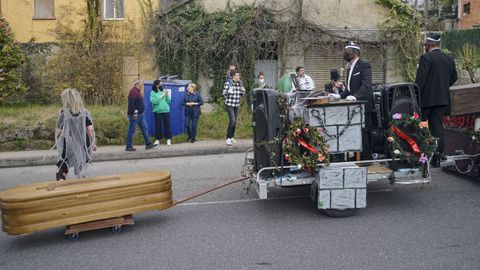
x=110 y=122
x=11 y=58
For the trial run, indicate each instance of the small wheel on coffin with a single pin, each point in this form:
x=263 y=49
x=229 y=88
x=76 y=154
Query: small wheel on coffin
x=116 y=228
x=73 y=236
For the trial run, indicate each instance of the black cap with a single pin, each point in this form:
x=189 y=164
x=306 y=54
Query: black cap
x=433 y=37
x=334 y=75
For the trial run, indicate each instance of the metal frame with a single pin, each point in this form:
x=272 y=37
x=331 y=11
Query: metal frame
x=405 y=176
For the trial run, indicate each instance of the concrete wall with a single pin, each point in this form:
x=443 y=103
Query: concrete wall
x=331 y=14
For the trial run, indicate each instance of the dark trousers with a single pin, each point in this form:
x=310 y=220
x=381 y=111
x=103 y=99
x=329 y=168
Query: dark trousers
x=162 y=123
x=232 y=120
x=434 y=115
x=191 y=126
x=366 y=137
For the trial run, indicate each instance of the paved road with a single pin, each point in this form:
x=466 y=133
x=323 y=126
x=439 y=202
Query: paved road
x=406 y=227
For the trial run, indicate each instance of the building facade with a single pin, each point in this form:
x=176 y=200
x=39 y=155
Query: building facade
x=34 y=22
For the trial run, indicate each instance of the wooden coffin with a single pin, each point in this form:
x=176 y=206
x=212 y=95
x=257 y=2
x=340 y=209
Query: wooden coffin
x=465 y=99
x=34 y=207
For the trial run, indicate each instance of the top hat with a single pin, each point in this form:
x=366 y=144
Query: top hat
x=334 y=75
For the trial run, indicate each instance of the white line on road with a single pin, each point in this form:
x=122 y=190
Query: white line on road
x=240 y=201
x=268 y=199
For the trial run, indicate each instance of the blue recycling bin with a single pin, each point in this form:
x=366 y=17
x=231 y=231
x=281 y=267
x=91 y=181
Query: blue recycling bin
x=177 y=89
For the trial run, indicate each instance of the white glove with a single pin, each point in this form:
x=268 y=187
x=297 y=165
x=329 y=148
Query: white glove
x=336 y=96
x=351 y=98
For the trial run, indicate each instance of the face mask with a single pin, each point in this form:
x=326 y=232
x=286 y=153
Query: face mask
x=347 y=57
x=261 y=81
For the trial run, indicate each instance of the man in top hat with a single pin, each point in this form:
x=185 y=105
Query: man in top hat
x=436 y=72
x=335 y=86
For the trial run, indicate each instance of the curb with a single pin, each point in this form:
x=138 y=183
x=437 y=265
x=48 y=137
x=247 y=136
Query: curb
x=41 y=158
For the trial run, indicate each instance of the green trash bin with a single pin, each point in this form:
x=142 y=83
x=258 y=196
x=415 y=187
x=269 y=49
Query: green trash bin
x=284 y=84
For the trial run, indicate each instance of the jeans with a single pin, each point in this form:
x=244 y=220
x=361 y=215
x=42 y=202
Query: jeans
x=132 y=124
x=232 y=120
x=162 y=123
x=191 y=126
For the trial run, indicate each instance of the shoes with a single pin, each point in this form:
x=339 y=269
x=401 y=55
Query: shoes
x=149 y=146
x=233 y=140
x=60 y=176
x=131 y=149
x=157 y=142
x=169 y=142
x=229 y=142
x=192 y=140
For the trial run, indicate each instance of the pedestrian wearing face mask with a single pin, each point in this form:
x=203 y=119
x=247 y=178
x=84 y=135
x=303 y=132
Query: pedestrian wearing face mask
x=435 y=74
x=359 y=87
x=260 y=83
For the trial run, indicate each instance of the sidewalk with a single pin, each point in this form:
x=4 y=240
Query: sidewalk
x=117 y=152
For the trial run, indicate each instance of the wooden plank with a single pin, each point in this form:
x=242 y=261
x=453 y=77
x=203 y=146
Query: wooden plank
x=465 y=99
x=377 y=168
x=99 y=224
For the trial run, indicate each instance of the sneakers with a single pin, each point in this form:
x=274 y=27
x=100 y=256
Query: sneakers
x=169 y=142
x=157 y=142
x=149 y=146
x=229 y=142
x=233 y=140
x=131 y=149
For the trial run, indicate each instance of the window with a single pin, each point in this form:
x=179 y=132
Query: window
x=113 y=9
x=466 y=9
x=43 y=9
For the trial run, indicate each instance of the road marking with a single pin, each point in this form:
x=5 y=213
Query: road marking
x=240 y=201
x=268 y=199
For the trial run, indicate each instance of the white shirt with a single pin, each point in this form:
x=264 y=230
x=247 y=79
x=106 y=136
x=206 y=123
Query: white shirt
x=350 y=73
x=304 y=83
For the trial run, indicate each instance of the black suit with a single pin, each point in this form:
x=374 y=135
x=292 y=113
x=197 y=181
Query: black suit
x=435 y=74
x=360 y=83
x=361 y=89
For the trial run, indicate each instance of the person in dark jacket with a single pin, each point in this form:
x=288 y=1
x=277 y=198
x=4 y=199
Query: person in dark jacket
x=436 y=72
x=135 y=111
x=359 y=87
x=192 y=102
x=335 y=86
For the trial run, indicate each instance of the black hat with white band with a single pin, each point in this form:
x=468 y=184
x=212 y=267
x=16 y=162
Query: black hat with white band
x=353 y=45
x=433 y=37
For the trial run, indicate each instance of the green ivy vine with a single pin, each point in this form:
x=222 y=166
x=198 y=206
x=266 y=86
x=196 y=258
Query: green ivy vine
x=402 y=30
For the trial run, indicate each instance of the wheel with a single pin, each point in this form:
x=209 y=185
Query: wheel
x=340 y=213
x=116 y=228
x=73 y=236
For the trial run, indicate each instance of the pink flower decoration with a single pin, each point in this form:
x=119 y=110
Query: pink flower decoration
x=415 y=115
x=390 y=139
x=305 y=130
x=397 y=116
x=423 y=159
x=286 y=157
x=321 y=157
x=320 y=130
x=423 y=124
x=298 y=131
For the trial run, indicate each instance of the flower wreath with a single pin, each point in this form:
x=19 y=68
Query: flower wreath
x=305 y=145
x=419 y=148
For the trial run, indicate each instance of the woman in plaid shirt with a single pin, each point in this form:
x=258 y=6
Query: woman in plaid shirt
x=232 y=91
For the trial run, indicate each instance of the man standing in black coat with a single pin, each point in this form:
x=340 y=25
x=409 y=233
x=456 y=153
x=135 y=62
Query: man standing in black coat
x=359 y=87
x=436 y=72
